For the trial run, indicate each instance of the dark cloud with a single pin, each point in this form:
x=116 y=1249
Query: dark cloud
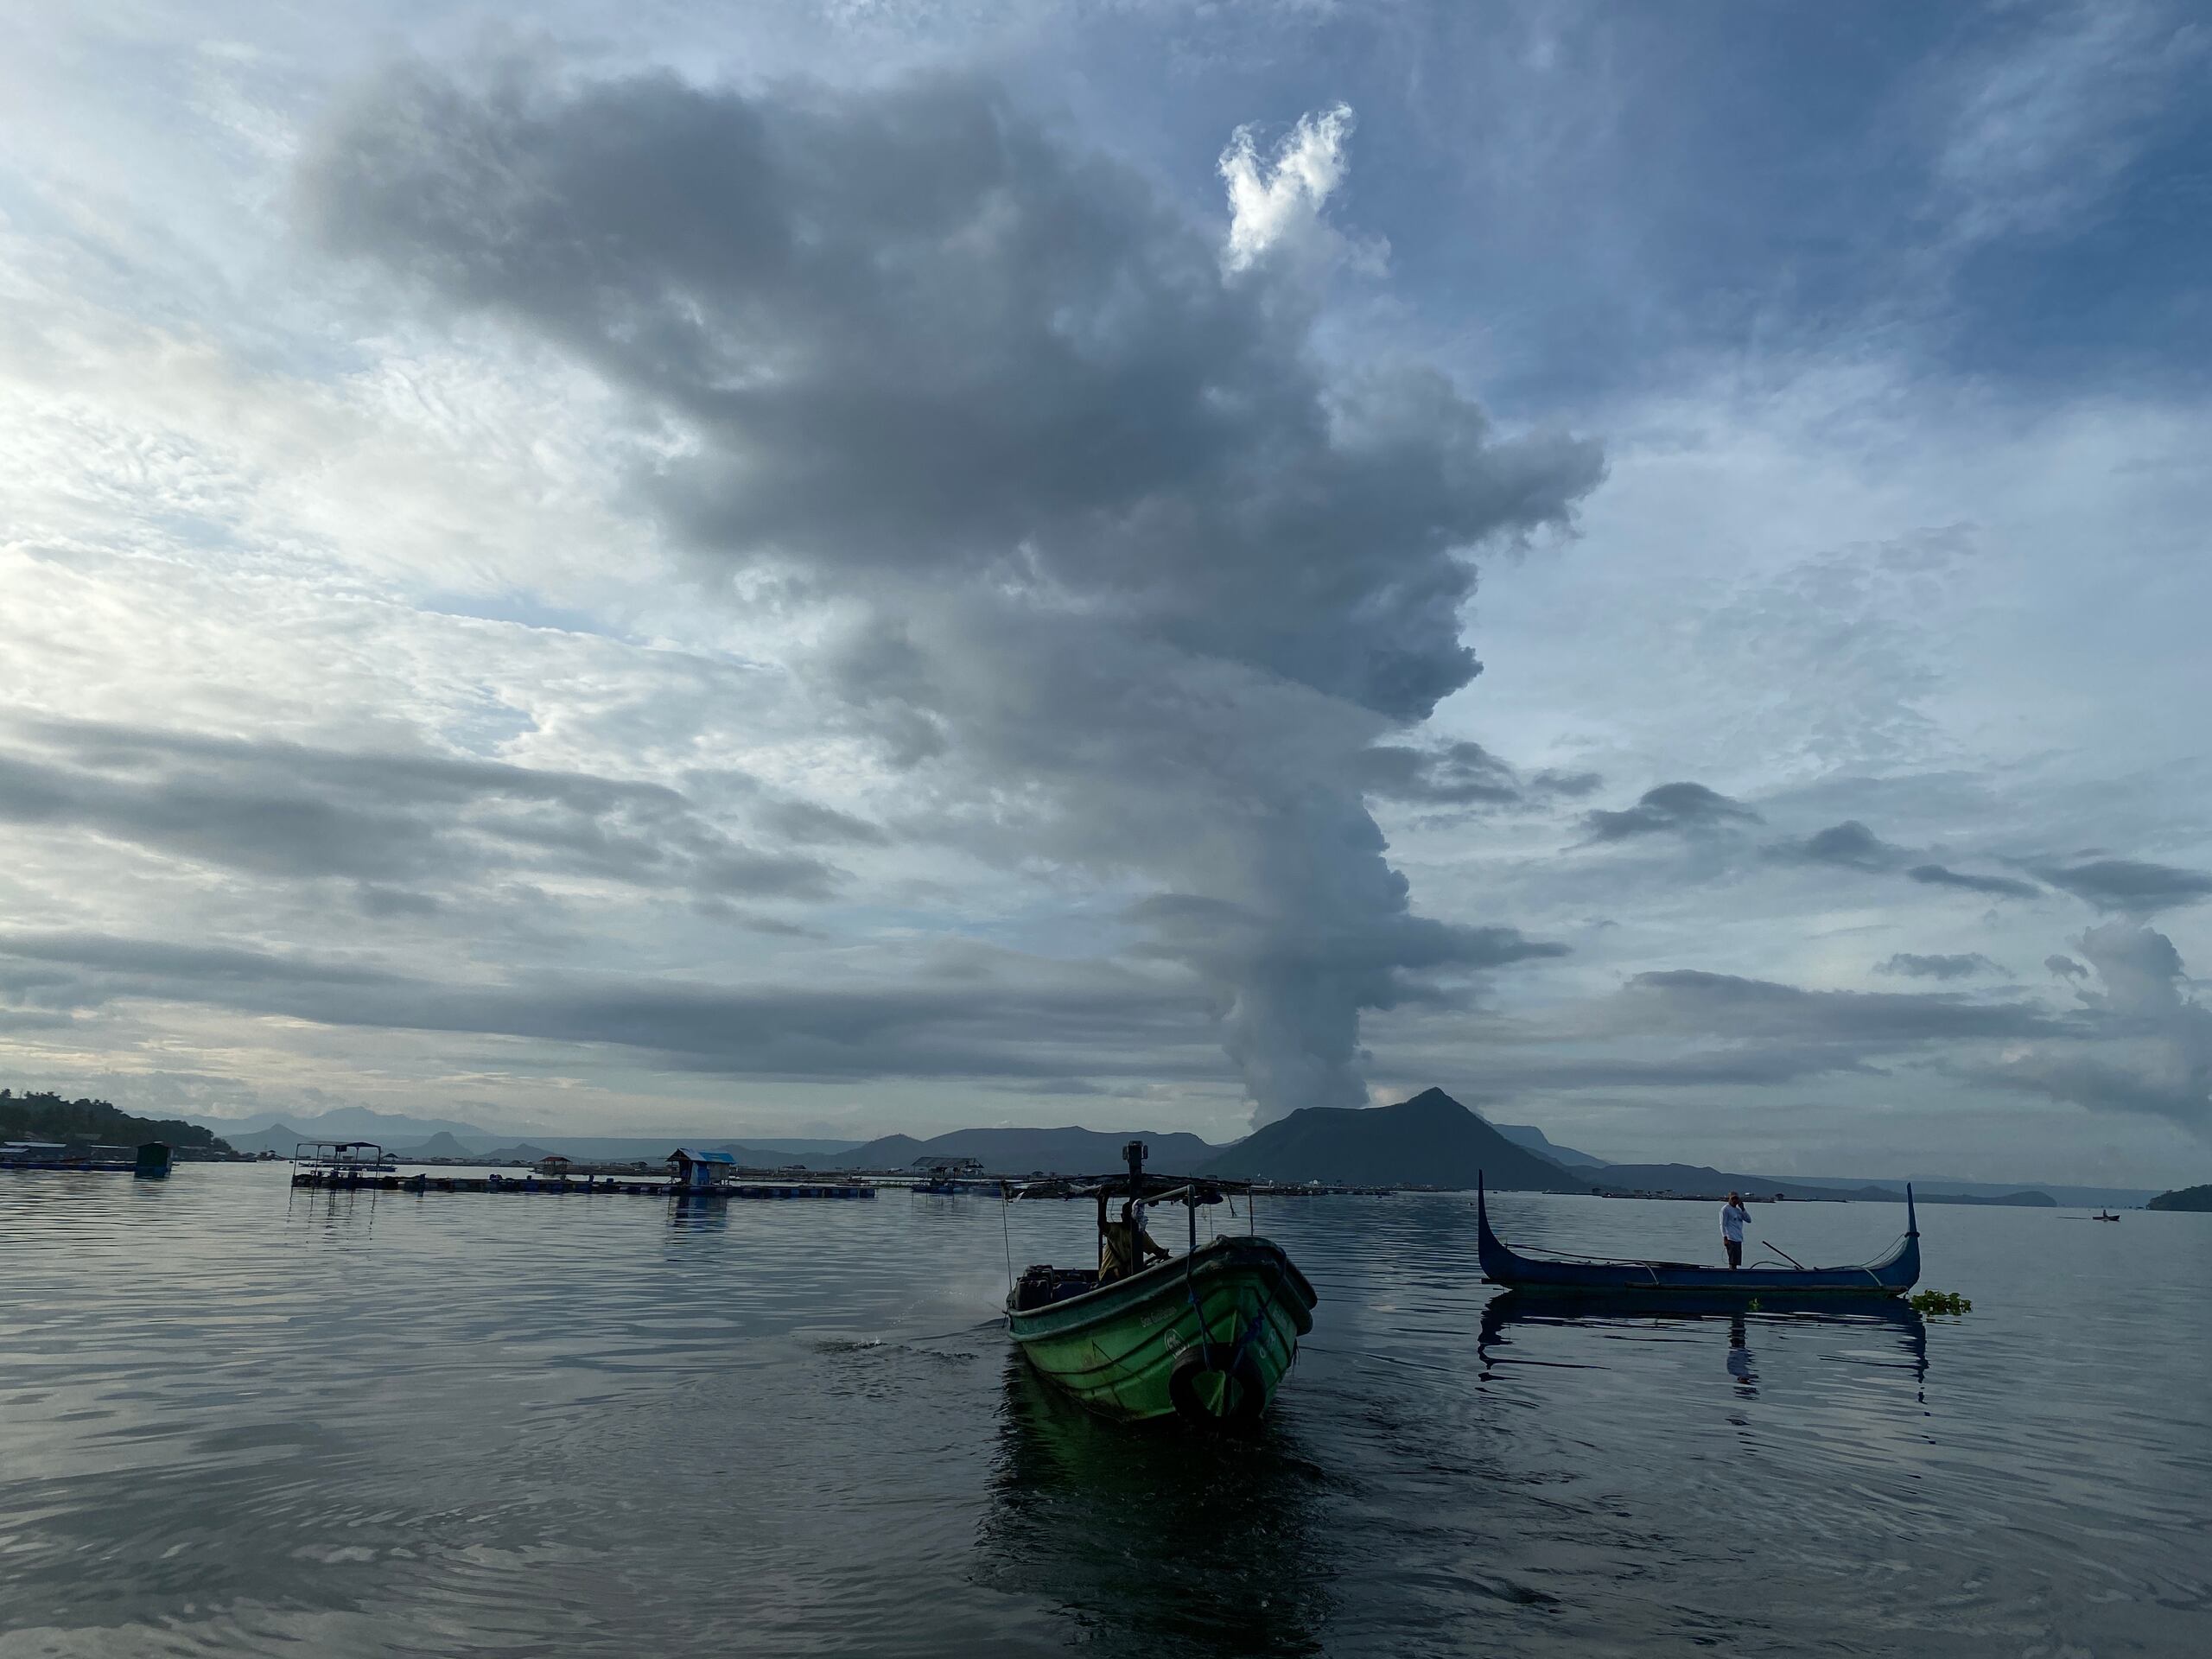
x=391 y=823
x=1689 y=999
x=1996 y=887
x=1135 y=578
x=1679 y=807
x=801 y=822
x=1764 y=1064
x=1938 y=967
x=1850 y=843
x=1461 y=774
x=2131 y=885
x=810 y=821
x=982 y=1015
x=1566 y=786
x=920 y=335
x=721 y=909
x=385 y=902
x=188 y=964
x=2138 y=1042
x=1687 y=1028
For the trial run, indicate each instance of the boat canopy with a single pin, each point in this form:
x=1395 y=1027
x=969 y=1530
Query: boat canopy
x=347 y=1153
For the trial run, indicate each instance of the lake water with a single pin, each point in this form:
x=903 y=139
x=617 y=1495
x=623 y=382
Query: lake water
x=236 y=1419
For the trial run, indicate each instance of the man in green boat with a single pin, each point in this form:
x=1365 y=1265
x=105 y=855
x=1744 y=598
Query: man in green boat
x=1125 y=1246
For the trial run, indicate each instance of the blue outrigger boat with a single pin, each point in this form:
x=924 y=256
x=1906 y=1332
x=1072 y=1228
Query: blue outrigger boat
x=1560 y=1274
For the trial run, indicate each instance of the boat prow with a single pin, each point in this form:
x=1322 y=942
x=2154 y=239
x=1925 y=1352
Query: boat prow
x=1892 y=1276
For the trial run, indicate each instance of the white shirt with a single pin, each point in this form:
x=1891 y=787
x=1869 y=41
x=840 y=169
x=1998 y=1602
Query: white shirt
x=1732 y=1218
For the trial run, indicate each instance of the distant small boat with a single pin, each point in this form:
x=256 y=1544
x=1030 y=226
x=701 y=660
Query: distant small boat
x=1207 y=1336
x=1562 y=1274
x=2104 y=1215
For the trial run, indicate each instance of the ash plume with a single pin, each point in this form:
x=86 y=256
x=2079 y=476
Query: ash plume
x=1123 y=574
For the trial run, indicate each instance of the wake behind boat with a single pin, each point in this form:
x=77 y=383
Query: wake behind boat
x=1207 y=1336
x=1558 y=1274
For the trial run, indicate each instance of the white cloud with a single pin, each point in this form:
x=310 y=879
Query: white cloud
x=1276 y=201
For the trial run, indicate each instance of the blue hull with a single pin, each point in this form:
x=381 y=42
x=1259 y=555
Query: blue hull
x=1893 y=1276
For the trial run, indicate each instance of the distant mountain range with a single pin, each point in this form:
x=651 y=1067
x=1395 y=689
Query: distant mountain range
x=361 y=1123
x=1430 y=1139
x=441 y=1144
x=1697 y=1181
x=1360 y=1146
x=2184 y=1198
x=1522 y=1134
x=1023 y=1152
x=438 y=1137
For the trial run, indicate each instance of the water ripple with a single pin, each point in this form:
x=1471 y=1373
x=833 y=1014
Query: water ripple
x=238 y=1419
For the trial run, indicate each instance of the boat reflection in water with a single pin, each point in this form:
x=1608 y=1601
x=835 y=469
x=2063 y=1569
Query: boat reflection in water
x=1160 y=1538
x=1896 y=1320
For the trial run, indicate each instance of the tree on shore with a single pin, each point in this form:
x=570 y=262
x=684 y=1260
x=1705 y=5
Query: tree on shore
x=47 y=1117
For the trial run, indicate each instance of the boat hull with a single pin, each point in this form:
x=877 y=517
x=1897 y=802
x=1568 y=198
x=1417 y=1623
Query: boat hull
x=1672 y=1281
x=1117 y=1349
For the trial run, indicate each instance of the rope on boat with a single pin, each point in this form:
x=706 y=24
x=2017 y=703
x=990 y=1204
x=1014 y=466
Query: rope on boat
x=1267 y=1301
x=996 y=1319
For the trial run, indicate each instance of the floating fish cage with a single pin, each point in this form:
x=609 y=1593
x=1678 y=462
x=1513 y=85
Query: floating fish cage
x=150 y=1161
x=391 y=1180
x=352 y=1165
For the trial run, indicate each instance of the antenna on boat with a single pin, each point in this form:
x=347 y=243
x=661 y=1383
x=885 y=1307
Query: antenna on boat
x=1135 y=1152
x=1134 y=1211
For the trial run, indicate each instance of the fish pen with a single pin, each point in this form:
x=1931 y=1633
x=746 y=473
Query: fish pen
x=358 y=1165
x=582 y=1185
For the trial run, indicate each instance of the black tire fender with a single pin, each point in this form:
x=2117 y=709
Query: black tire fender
x=1250 y=1396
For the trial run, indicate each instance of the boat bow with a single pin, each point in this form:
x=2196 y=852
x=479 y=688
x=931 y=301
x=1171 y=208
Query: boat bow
x=1892 y=1275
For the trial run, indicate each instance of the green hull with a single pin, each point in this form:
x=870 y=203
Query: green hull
x=1115 y=1348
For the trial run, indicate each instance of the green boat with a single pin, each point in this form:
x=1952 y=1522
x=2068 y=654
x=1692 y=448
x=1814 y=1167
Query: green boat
x=1207 y=1336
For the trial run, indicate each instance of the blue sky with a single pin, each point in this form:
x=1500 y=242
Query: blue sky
x=664 y=694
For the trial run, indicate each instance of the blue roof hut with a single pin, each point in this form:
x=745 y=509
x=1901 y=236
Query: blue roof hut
x=697 y=1171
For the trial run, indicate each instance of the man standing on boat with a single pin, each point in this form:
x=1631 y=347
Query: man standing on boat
x=1732 y=1218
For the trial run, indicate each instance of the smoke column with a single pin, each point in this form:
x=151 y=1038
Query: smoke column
x=1107 y=544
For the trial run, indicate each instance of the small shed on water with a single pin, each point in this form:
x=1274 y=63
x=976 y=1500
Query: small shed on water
x=696 y=1171
x=948 y=1167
